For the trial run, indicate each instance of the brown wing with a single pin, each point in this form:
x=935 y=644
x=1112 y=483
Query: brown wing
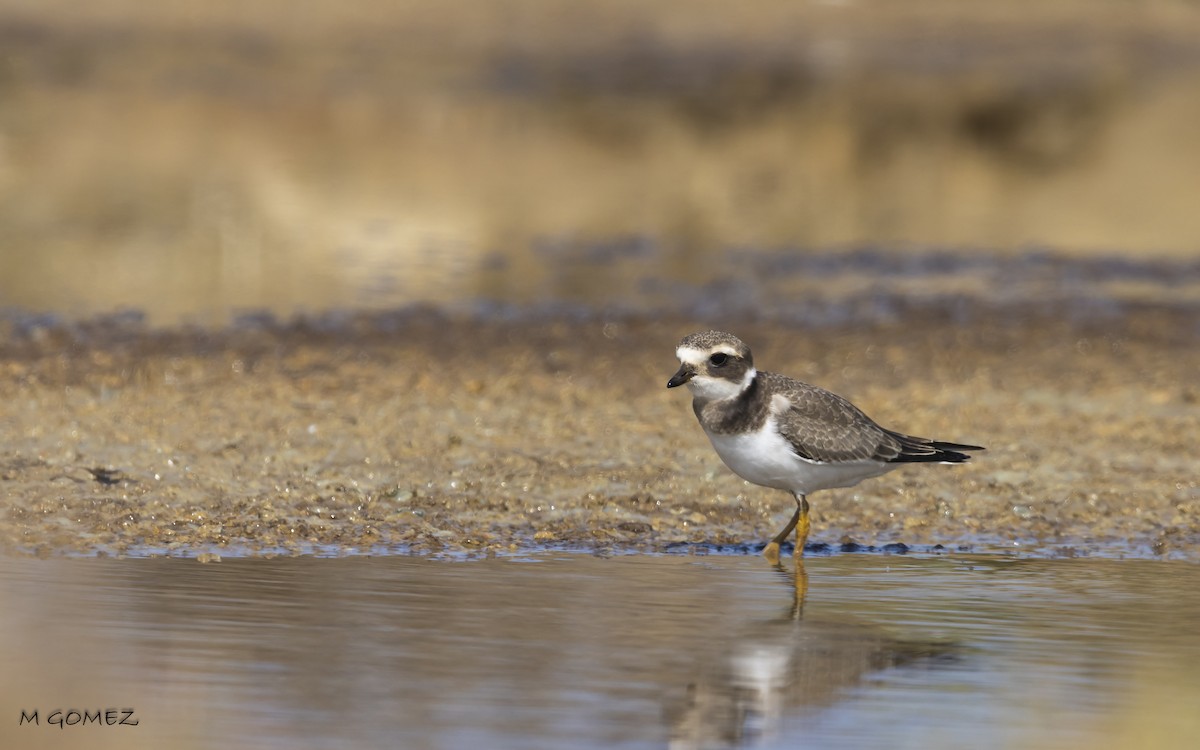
x=823 y=426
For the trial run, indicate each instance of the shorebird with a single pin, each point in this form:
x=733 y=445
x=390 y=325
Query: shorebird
x=779 y=432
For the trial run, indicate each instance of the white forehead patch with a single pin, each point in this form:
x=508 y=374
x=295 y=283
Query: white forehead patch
x=697 y=357
x=690 y=356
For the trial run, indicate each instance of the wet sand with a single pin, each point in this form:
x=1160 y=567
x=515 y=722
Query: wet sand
x=432 y=434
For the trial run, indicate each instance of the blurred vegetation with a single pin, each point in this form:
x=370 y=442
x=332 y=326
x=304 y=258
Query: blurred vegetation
x=185 y=159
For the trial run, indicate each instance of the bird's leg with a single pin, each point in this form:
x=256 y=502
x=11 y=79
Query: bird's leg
x=803 y=525
x=771 y=551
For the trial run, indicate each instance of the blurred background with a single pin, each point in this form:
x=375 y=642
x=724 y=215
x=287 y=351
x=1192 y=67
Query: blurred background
x=1028 y=168
x=195 y=160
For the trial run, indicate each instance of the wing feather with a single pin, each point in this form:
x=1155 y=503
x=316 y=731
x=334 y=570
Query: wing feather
x=822 y=426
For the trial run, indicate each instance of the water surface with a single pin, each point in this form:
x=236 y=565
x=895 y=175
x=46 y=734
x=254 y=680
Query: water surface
x=578 y=651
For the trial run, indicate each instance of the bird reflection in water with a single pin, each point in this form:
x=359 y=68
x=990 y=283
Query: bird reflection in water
x=788 y=665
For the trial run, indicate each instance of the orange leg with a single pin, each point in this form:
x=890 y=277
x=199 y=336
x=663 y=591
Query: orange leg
x=800 y=523
x=802 y=527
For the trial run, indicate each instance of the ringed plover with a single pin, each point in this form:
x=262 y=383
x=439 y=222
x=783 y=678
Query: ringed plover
x=778 y=432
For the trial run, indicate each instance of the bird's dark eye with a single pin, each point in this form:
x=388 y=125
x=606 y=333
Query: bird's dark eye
x=718 y=359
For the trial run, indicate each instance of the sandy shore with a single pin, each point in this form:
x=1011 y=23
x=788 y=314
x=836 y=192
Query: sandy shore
x=431 y=434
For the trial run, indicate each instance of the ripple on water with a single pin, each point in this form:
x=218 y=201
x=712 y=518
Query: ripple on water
x=583 y=651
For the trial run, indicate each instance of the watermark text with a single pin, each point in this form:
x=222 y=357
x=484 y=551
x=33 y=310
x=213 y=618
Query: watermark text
x=72 y=717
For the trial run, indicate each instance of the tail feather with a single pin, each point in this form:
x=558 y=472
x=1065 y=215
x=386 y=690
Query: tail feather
x=920 y=450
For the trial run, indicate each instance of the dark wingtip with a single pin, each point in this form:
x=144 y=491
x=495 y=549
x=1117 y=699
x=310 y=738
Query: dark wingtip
x=920 y=450
x=955 y=446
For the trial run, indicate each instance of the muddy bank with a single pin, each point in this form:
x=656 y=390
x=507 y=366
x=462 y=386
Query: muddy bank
x=429 y=433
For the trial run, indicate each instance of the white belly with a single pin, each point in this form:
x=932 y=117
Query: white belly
x=767 y=459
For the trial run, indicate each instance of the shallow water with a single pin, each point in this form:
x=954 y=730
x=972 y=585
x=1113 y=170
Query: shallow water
x=572 y=650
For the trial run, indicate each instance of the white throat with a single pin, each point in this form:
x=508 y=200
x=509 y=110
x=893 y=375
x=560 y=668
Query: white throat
x=707 y=388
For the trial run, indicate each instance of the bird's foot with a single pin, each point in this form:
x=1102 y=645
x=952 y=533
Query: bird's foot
x=771 y=552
